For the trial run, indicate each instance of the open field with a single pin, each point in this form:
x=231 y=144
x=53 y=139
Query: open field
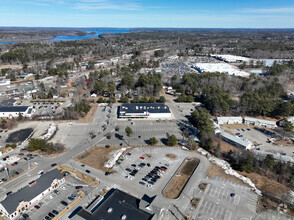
x=214 y=170
x=177 y=184
x=96 y=157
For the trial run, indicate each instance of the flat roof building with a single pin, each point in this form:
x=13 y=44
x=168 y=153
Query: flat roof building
x=14 y=111
x=236 y=141
x=260 y=122
x=19 y=202
x=229 y=120
x=144 y=110
x=117 y=204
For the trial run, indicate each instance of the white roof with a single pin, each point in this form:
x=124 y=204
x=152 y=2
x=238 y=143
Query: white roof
x=229 y=118
x=222 y=68
x=260 y=121
x=243 y=142
x=232 y=58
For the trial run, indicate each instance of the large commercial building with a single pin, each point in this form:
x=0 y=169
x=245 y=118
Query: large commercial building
x=144 y=110
x=19 y=202
x=118 y=205
x=14 y=111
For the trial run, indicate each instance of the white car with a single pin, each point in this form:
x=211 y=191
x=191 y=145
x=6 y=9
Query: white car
x=149 y=185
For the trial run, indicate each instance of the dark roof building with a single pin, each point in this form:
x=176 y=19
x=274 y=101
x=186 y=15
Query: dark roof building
x=16 y=203
x=115 y=205
x=13 y=108
x=144 y=110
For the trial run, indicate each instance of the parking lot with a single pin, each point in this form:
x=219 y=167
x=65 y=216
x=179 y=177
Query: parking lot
x=66 y=193
x=224 y=199
x=146 y=169
x=259 y=137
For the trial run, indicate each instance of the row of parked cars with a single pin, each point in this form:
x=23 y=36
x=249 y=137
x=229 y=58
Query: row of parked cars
x=155 y=174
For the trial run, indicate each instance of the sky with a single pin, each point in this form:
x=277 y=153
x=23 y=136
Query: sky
x=148 y=13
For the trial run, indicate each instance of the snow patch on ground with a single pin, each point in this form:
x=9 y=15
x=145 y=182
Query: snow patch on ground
x=51 y=130
x=228 y=170
x=114 y=157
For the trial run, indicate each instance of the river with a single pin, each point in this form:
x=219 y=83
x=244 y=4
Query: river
x=72 y=38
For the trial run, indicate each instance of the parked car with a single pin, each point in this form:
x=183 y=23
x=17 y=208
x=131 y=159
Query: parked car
x=47 y=217
x=129 y=170
x=142 y=183
x=54 y=164
x=25 y=216
x=56 y=192
x=70 y=198
x=55 y=212
x=107 y=173
x=64 y=203
x=50 y=214
x=82 y=165
x=79 y=187
x=41 y=204
x=87 y=171
x=37 y=207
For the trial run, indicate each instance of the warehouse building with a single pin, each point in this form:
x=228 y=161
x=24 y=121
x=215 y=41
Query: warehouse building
x=14 y=111
x=144 y=110
x=260 y=122
x=236 y=141
x=19 y=202
x=229 y=120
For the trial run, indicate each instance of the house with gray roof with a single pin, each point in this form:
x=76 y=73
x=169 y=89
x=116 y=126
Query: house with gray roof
x=19 y=202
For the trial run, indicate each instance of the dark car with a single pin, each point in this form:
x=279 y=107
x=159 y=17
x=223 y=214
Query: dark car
x=74 y=196
x=150 y=182
x=54 y=164
x=133 y=165
x=142 y=183
x=148 y=165
x=70 y=198
x=25 y=216
x=82 y=165
x=51 y=215
x=135 y=171
x=87 y=171
x=107 y=173
x=55 y=212
x=79 y=187
x=37 y=207
x=144 y=179
x=129 y=154
x=153 y=179
x=16 y=172
x=64 y=203
x=132 y=174
x=29 y=155
x=129 y=170
x=47 y=217
x=232 y=194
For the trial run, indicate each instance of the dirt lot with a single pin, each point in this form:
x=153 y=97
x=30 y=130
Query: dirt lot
x=224 y=147
x=214 y=170
x=171 y=156
x=90 y=115
x=85 y=178
x=177 y=184
x=96 y=157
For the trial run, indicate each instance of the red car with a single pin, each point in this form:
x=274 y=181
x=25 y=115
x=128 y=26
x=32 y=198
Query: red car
x=37 y=207
x=142 y=158
x=13 y=164
x=79 y=187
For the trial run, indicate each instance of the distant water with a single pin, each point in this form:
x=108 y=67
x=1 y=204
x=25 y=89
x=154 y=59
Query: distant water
x=96 y=35
x=8 y=42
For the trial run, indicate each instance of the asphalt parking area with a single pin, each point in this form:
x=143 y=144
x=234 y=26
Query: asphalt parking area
x=52 y=201
x=132 y=162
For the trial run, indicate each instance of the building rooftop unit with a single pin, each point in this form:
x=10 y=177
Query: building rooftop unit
x=29 y=192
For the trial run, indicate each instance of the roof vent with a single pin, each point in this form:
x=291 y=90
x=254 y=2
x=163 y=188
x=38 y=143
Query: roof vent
x=109 y=210
x=123 y=217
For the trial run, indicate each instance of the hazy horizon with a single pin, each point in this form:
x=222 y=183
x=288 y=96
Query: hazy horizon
x=148 y=14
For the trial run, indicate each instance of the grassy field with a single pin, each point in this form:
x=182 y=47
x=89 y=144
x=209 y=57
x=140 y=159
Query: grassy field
x=178 y=182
